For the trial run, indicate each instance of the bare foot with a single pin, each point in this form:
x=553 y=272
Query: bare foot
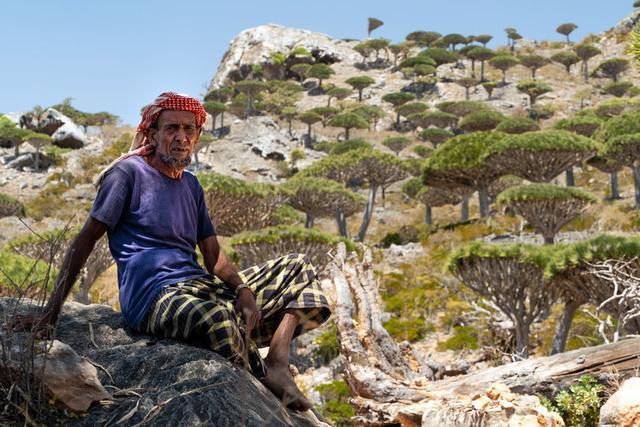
x=281 y=383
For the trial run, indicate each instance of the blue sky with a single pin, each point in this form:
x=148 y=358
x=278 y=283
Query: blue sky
x=118 y=55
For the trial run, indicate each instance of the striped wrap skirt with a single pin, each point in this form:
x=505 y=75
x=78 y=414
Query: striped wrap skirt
x=201 y=311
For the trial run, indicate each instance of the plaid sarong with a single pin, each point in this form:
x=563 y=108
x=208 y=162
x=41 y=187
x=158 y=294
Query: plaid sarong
x=200 y=311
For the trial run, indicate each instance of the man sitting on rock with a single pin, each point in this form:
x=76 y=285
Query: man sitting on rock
x=154 y=213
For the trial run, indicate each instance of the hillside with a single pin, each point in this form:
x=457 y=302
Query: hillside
x=482 y=194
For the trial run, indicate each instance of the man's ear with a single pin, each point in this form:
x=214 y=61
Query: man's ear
x=150 y=133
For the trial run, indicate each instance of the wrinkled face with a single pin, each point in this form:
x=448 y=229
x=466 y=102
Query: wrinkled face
x=176 y=134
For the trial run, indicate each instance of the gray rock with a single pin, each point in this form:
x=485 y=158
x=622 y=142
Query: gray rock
x=174 y=383
x=27 y=160
x=69 y=135
x=623 y=407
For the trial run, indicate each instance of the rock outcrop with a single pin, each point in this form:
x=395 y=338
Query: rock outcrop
x=494 y=408
x=255 y=46
x=163 y=382
x=623 y=407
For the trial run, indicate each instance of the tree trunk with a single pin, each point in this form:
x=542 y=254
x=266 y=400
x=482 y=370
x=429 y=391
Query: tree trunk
x=473 y=68
x=36 y=162
x=504 y=77
x=290 y=128
x=368 y=349
x=464 y=210
x=533 y=73
x=466 y=93
x=481 y=71
x=341 y=221
x=368 y=213
x=346 y=133
x=308 y=141
x=636 y=183
x=483 y=200
x=213 y=124
x=570 y=179
x=309 y=221
x=249 y=106
x=428 y=215
x=360 y=94
x=17 y=150
x=563 y=327
x=585 y=67
x=222 y=119
x=522 y=340
x=549 y=240
x=615 y=194
x=546 y=375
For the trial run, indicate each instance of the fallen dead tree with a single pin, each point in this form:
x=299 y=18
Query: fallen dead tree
x=390 y=386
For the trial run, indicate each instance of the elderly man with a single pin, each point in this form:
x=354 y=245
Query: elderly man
x=155 y=214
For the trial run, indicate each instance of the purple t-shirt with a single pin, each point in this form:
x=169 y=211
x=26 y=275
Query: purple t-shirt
x=154 y=225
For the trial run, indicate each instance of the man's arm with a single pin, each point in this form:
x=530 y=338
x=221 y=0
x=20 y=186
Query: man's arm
x=217 y=262
x=74 y=260
x=219 y=265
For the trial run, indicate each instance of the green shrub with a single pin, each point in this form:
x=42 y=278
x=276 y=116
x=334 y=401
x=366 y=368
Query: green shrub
x=10 y=206
x=464 y=338
x=335 y=406
x=406 y=234
x=517 y=125
x=24 y=273
x=410 y=330
x=481 y=121
x=328 y=343
x=579 y=405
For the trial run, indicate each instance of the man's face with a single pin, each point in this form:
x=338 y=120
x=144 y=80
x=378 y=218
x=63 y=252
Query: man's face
x=176 y=136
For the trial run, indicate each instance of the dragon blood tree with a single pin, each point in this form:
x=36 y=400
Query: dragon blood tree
x=588 y=270
x=321 y=197
x=546 y=207
x=541 y=156
x=461 y=162
x=236 y=205
x=255 y=247
x=625 y=149
x=511 y=277
x=370 y=167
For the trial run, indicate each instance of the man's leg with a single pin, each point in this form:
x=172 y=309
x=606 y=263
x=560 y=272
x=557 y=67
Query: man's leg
x=279 y=379
x=291 y=301
x=193 y=312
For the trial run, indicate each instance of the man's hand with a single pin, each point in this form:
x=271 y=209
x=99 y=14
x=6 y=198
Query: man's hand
x=246 y=306
x=40 y=325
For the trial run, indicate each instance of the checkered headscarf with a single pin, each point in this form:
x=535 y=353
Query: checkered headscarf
x=141 y=145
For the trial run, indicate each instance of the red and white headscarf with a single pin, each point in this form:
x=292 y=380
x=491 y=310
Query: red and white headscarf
x=143 y=146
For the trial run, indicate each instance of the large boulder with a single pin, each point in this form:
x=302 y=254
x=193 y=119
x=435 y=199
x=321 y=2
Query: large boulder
x=623 y=407
x=69 y=135
x=255 y=46
x=160 y=381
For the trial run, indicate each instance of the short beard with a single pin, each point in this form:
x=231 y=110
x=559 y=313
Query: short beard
x=174 y=163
